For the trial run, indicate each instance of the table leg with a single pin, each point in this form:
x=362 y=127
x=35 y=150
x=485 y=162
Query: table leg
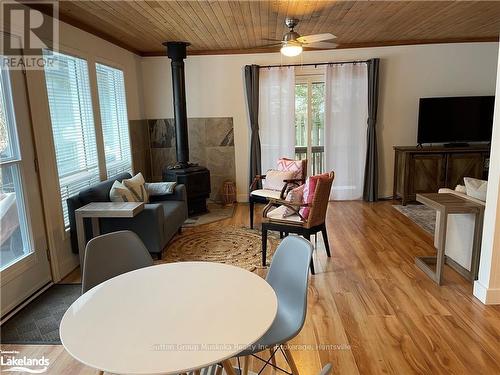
x=476 y=245
x=96 y=231
x=426 y=263
x=443 y=226
x=80 y=233
x=228 y=367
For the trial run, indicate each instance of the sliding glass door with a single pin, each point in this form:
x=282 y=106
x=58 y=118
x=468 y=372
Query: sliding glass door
x=24 y=266
x=310 y=121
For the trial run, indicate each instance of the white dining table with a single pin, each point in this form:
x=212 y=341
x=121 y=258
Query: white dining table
x=169 y=319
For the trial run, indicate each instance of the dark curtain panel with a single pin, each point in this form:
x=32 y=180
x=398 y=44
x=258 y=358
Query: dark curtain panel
x=370 y=190
x=252 y=87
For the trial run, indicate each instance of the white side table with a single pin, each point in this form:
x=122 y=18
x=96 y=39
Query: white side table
x=97 y=210
x=169 y=319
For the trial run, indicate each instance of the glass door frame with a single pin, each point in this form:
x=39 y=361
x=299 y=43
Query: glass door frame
x=31 y=271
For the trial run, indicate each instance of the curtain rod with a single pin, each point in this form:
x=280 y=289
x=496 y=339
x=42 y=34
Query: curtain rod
x=316 y=64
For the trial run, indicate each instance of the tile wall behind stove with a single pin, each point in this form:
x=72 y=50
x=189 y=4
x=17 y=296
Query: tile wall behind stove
x=211 y=144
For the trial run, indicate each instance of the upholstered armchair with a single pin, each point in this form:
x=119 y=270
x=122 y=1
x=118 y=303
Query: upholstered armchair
x=294 y=172
x=303 y=219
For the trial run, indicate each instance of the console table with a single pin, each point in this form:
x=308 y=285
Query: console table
x=96 y=210
x=426 y=169
x=448 y=204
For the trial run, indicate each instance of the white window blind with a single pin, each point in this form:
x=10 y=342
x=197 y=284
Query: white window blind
x=114 y=120
x=70 y=104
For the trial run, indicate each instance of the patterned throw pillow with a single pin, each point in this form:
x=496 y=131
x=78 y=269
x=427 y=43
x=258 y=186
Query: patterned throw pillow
x=120 y=193
x=294 y=166
x=309 y=188
x=274 y=179
x=137 y=187
x=294 y=196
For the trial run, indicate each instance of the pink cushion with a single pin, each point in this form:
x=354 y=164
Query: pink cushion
x=309 y=190
x=295 y=166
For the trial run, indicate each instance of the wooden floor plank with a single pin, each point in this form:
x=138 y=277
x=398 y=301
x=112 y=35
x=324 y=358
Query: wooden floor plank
x=370 y=309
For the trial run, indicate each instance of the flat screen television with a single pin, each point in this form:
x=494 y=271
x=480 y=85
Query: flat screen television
x=455 y=119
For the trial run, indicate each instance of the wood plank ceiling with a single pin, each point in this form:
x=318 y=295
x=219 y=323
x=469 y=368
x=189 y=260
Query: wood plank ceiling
x=242 y=26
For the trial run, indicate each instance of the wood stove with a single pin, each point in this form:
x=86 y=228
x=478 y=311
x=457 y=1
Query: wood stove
x=196 y=178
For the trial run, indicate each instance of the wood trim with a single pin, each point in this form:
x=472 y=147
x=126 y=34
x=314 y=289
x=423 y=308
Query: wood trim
x=341 y=46
x=84 y=27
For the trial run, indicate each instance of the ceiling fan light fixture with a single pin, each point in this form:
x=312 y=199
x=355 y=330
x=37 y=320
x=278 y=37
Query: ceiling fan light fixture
x=291 y=50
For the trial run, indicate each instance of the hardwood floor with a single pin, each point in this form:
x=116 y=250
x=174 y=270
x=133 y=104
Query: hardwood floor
x=370 y=309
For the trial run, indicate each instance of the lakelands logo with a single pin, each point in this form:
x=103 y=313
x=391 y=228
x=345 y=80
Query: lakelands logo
x=28 y=31
x=10 y=361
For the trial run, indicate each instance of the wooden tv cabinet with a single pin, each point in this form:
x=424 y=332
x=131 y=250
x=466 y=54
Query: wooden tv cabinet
x=426 y=169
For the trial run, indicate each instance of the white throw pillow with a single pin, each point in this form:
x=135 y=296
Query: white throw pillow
x=294 y=196
x=274 y=179
x=120 y=193
x=461 y=189
x=137 y=187
x=476 y=188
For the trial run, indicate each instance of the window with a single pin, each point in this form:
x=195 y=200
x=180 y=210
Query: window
x=73 y=130
x=310 y=121
x=113 y=107
x=14 y=238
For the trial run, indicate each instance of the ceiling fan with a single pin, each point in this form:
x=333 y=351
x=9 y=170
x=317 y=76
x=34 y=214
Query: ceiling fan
x=292 y=43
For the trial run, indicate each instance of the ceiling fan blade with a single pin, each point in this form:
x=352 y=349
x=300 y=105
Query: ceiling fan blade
x=271 y=40
x=315 y=38
x=269 y=45
x=321 y=45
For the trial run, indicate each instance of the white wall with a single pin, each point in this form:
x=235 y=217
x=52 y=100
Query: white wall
x=487 y=287
x=215 y=87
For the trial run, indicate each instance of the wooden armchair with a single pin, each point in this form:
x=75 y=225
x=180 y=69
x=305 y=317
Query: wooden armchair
x=258 y=195
x=296 y=223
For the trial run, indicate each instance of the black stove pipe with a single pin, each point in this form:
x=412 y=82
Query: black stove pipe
x=176 y=51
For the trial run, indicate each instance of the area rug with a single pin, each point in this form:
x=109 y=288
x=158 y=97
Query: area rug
x=423 y=216
x=215 y=213
x=222 y=244
x=38 y=322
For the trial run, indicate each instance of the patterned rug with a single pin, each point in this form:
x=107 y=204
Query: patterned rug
x=422 y=215
x=38 y=322
x=222 y=244
x=215 y=213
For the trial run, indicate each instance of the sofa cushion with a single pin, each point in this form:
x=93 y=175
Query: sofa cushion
x=476 y=188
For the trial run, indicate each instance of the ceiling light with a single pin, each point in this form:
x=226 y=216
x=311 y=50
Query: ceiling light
x=291 y=50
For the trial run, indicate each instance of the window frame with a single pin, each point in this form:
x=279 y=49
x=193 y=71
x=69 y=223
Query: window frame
x=106 y=63
x=91 y=61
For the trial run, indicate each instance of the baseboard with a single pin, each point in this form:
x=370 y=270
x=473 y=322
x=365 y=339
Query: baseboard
x=67 y=266
x=488 y=296
x=242 y=198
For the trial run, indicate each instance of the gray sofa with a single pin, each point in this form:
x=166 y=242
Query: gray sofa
x=155 y=225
